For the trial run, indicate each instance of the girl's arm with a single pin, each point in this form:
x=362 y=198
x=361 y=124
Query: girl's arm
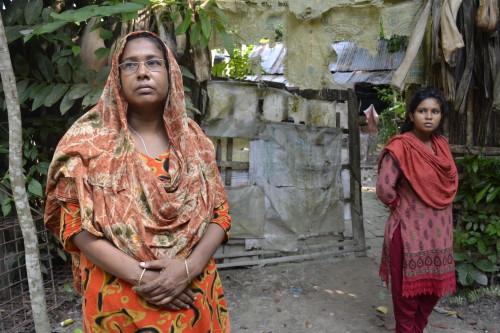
x=388 y=177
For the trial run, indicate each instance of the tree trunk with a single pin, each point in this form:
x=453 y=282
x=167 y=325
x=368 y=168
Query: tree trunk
x=35 y=280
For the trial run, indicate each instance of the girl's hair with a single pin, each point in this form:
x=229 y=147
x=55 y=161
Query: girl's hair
x=420 y=95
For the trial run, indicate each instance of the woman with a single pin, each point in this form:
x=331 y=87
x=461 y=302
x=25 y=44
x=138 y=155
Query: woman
x=418 y=181
x=135 y=195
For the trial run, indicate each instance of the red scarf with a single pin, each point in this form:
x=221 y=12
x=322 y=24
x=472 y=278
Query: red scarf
x=433 y=177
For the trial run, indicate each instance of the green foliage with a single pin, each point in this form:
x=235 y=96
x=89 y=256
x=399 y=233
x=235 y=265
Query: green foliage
x=397 y=43
x=54 y=88
x=52 y=85
x=238 y=66
x=199 y=20
x=392 y=117
x=477 y=233
x=468 y=296
x=278 y=32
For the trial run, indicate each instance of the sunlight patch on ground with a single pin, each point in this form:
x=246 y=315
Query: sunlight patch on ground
x=367 y=188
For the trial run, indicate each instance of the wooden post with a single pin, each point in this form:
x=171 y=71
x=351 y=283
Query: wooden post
x=355 y=173
x=229 y=158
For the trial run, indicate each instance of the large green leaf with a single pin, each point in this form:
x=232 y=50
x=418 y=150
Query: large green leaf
x=44 y=28
x=13 y=32
x=105 y=34
x=92 y=97
x=142 y=2
x=66 y=104
x=15 y=13
x=481 y=194
x=55 y=94
x=25 y=94
x=221 y=14
x=6 y=207
x=102 y=52
x=37 y=88
x=103 y=74
x=45 y=66
x=185 y=72
x=182 y=28
x=35 y=188
x=480 y=277
x=486 y=265
x=492 y=195
x=204 y=42
x=32 y=11
x=21 y=87
x=79 y=90
x=65 y=72
x=41 y=96
x=90 y=76
x=481 y=246
x=46 y=14
x=194 y=36
x=226 y=39
x=465 y=274
x=206 y=26
x=85 y=13
x=460 y=256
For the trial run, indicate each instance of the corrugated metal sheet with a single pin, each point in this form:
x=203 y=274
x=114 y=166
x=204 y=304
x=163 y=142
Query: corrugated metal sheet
x=354 y=64
x=271 y=59
x=350 y=78
x=351 y=58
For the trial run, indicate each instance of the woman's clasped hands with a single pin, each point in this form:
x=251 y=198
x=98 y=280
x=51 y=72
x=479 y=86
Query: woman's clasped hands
x=165 y=283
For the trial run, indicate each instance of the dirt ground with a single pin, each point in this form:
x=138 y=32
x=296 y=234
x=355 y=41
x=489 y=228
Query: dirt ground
x=330 y=295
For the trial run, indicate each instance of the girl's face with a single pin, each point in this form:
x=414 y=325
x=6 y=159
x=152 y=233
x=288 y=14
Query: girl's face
x=426 y=117
x=146 y=87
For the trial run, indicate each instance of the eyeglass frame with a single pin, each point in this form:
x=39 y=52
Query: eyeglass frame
x=142 y=63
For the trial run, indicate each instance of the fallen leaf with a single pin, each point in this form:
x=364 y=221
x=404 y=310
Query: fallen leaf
x=382 y=309
x=66 y=322
x=309 y=324
x=441 y=325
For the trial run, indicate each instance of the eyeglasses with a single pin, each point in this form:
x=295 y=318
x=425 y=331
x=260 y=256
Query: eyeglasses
x=153 y=65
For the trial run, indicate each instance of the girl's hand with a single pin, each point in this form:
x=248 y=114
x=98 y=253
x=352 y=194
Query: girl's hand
x=170 y=283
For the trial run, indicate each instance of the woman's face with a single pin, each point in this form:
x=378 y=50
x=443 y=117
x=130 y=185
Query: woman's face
x=426 y=117
x=144 y=88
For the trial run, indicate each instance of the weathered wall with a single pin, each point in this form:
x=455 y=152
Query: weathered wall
x=311 y=26
x=292 y=188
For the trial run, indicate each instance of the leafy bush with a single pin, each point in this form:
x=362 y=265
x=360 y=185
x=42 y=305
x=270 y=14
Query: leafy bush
x=238 y=66
x=477 y=231
x=392 y=117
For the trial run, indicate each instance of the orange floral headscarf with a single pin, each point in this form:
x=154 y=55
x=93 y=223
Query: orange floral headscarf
x=96 y=164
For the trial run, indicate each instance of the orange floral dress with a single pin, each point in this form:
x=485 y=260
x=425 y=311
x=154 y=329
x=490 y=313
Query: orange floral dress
x=110 y=305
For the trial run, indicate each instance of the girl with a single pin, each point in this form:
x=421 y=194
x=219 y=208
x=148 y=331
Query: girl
x=418 y=181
